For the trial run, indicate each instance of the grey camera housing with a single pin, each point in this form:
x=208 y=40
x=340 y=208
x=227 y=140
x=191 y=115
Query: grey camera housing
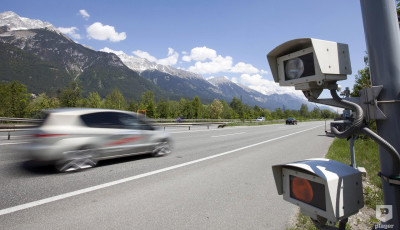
x=331 y=62
x=341 y=186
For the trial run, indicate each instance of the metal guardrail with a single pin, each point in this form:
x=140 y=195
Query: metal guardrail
x=31 y=123
x=14 y=119
x=28 y=123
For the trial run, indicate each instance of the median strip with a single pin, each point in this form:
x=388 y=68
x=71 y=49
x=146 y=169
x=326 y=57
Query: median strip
x=109 y=184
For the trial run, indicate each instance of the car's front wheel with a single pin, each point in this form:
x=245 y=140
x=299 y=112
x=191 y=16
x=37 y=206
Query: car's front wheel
x=163 y=148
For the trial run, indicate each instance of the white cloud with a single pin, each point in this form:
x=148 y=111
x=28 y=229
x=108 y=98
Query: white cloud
x=71 y=31
x=172 y=58
x=108 y=50
x=84 y=14
x=242 y=67
x=264 y=86
x=200 y=54
x=102 y=32
x=207 y=61
x=264 y=72
x=216 y=65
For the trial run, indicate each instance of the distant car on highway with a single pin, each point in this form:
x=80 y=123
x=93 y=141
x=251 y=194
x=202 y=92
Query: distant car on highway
x=260 y=119
x=291 y=121
x=72 y=139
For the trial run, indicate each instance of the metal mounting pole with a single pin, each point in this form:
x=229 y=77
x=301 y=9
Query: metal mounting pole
x=383 y=45
x=353 y=152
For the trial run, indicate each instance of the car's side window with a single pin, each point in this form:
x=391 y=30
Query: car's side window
x=144 y=126
x=114 y=120
x=132 y=122
x=128 y=121
x=102 y=120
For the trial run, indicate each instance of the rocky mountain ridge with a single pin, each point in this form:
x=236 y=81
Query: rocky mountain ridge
x=61 y=60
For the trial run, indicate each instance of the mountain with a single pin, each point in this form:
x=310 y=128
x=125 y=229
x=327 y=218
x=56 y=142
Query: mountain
x=38 y=55
x=15 y=22
x=141 y=65
x=253 y=97
x=180 y=83
x=51 y=60
x=187 y=84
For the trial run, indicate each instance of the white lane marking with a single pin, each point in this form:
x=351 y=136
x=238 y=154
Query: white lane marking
x=109 y=184
x=14 y=143
x=228 y=134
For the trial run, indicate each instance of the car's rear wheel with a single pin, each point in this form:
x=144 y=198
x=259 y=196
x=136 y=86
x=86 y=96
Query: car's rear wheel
x=162 y=149
x=77 y=160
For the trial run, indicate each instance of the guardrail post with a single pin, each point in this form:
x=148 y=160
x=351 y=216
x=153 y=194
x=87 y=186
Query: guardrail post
x=208 y=126
x=9 y=135
x=189 y=127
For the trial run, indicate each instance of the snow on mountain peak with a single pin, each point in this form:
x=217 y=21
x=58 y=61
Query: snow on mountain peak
x=15 y=22
x=141 y=64
x=219 y=80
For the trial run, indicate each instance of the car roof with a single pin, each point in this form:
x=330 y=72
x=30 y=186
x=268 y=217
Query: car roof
x=82 y=111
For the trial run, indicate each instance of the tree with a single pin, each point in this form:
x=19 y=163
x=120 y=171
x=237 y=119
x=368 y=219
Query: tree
x=227 y=112
x=196 y=106
x=304 y=111
x=326 y=113
x=132 y=106
x=185 y=108
x=215 y=109
x=237 y=107
x=94 y=100
x=40 y=103
x=71 y=95
x=162 y=109
x=14 y=99
x=315 y=113
x=278 y=113
x=247 y=112
x=363 y=79
x=173 y=109
x=258 y=112
x=146 y=102
x=287 y=113
x=115 y=100
x=398 y=10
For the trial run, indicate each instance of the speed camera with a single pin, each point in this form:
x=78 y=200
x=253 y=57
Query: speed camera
x=309 y=63
x=321 y=188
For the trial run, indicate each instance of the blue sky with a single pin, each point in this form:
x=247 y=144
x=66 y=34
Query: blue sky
x=211 y=37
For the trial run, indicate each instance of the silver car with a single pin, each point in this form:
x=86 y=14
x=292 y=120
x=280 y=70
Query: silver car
x=74 y=139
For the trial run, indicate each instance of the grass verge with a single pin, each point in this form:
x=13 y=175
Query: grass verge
x=366 y=156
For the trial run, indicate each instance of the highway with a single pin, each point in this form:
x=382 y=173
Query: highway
x=214 y=179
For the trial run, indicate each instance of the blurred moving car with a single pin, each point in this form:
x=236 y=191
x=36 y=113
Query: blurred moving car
x=260 y=119
x=74 y=139
x=291 y=121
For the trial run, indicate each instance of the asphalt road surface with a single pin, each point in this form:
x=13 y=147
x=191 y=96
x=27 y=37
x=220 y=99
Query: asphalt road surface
x=214 y=179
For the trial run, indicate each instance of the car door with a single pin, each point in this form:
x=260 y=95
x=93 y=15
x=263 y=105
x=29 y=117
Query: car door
x=114 y=136
x=135 y=125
